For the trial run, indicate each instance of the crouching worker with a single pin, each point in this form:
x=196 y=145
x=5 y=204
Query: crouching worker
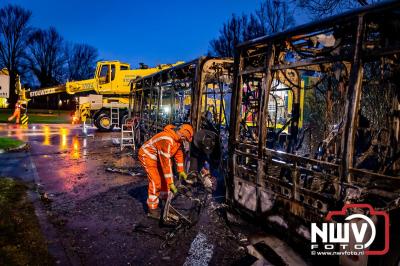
x=155 y=156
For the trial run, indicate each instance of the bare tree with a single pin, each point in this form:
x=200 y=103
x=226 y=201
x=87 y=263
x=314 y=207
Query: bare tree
x=272 y=16
x=253 y=28
x=46 y=57
x=14 y=30
x=230 y=35
x=81 y=61
x=329 y=7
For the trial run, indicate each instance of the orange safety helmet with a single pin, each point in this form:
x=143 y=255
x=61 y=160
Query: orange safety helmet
x=186 y=130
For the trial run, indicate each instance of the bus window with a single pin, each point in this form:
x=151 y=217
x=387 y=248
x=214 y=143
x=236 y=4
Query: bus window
x=183 y=100
x=166 y=106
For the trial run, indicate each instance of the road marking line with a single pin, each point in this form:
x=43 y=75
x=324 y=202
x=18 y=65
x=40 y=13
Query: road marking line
x=200 y=252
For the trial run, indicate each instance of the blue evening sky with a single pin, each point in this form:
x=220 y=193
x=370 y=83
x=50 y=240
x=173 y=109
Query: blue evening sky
x=152 y=31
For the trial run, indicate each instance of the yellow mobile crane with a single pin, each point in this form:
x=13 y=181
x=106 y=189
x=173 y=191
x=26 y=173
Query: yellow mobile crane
x=108 y=107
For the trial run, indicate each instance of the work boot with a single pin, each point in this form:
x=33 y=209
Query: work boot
x=154 y=214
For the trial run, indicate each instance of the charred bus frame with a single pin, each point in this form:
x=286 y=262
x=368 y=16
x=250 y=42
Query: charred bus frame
x=347 y=149
x=194 y=92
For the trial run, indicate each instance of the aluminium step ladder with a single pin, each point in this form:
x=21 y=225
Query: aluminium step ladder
x=115 y=116
x=127 y=136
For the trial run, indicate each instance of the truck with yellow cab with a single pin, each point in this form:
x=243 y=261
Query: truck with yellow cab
x=107 y=106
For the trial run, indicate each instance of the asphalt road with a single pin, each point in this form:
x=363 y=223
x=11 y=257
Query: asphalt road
x=93 y=216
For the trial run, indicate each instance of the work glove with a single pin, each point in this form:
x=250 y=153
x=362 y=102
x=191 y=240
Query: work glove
x=182 y=175
x=173 y=188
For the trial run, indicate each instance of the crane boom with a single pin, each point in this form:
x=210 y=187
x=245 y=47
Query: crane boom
x=47 y=91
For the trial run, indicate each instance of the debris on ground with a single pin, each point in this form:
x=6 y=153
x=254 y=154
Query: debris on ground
x=123 y=171
x=96 y=203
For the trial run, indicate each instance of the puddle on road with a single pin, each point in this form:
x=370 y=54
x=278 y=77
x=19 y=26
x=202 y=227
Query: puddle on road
x=70 y=163
x=18 y=132
x=58 y=138
x=46 y=138
x=63 y=143
x=75 y=151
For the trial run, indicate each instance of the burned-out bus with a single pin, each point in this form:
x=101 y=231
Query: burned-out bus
x=197 y=92
x=315 y=126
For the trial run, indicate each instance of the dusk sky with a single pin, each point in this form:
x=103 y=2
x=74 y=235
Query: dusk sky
x=152 y=32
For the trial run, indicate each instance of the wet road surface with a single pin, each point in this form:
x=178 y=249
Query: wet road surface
x=66 y=161
x=95 y=212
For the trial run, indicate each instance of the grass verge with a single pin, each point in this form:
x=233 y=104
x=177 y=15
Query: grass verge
x=9 y=143
x=40 y=116
x=21 y=241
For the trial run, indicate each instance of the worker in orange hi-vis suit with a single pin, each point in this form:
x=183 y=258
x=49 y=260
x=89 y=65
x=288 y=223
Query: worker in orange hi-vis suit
x=17 y=113
x=155 y=156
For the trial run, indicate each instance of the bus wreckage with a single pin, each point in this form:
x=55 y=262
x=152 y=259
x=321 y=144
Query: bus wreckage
x=315 y=125
x=300 y=124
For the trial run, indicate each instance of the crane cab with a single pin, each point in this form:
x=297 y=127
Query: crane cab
x=110 y=76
